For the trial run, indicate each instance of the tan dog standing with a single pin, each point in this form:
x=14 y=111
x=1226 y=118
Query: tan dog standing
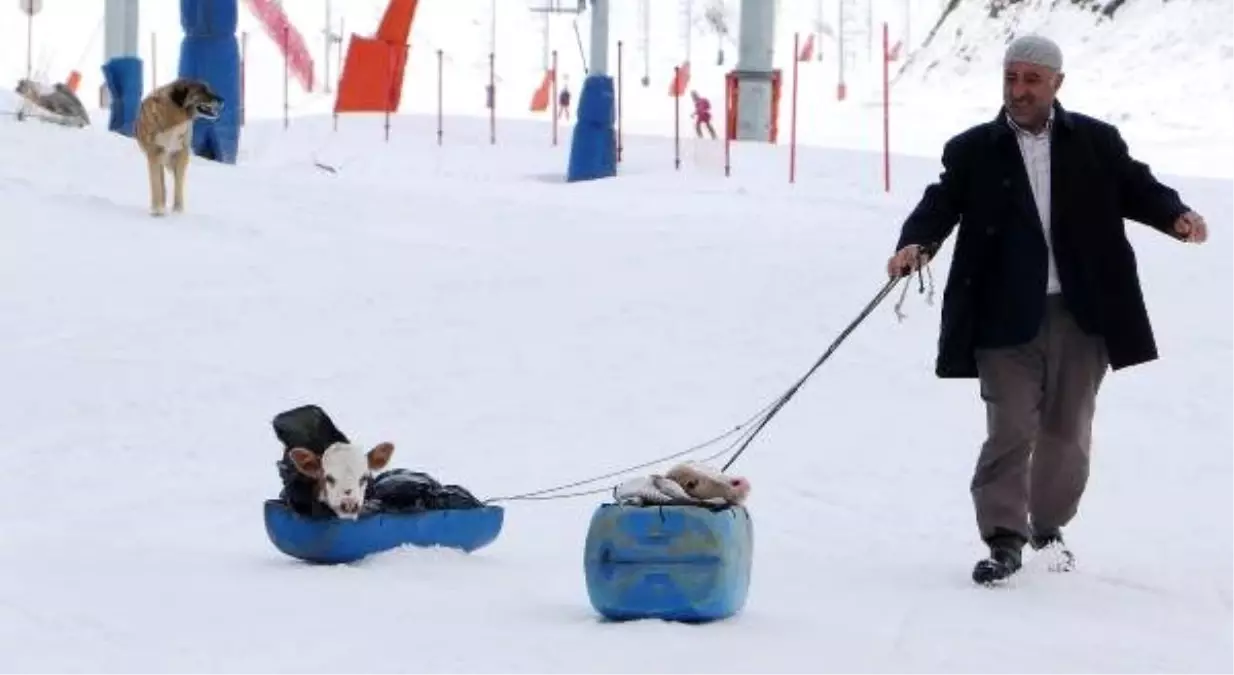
x=164 y=131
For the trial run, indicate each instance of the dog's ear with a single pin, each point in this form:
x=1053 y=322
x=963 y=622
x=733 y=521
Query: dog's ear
x=306 y=462
x=379 y=456
x=179 y=95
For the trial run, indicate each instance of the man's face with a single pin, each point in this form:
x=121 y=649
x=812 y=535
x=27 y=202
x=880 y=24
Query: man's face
x=1028 y=93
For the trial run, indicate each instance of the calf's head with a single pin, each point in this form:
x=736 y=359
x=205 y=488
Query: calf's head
x=701 y=483
x=342 y=473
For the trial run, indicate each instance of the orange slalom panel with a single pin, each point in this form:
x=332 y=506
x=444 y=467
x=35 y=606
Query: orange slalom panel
x=681 y=82
x=539 y=99
x=807 y=50
x=395 y=26
x=372 y=79
x=372 y=76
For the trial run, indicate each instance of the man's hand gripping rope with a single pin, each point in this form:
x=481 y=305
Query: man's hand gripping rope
x=912 y=258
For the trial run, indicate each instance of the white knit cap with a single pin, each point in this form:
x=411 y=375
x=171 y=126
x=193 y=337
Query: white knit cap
x=1034 y=49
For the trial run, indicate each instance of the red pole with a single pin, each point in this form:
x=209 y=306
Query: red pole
x=676 y=119
x=886 y=113
x=492 y=89
x=792 y=144
x=619 y=107
x=154 y=60
x=286 y=78
x=439 y=74
x=555 y=112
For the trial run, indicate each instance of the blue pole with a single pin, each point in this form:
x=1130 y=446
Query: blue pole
x=593 y=149
x=210 y=52
x=122 y=68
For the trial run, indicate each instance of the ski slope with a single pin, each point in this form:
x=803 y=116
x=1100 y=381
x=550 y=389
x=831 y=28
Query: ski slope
x=1185 y=46
x=509 y=332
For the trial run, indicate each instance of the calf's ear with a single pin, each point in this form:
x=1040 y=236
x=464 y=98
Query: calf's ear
x=379 y=456
x=306 y=462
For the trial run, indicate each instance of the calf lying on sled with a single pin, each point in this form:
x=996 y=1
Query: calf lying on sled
x=685 y=484
x=325 y=475
x=335 y=507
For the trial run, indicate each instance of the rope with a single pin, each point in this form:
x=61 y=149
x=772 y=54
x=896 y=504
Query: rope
x=741 y=442
x=536 y=494
x=921 y=288
x=865 y=312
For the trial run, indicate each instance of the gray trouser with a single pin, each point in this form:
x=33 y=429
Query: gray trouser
x=1040 y=399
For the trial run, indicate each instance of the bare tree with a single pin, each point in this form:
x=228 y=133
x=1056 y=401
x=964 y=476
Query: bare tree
x=717 y=17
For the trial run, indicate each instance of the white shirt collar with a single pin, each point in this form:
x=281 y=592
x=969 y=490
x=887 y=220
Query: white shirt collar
x=1045 y=131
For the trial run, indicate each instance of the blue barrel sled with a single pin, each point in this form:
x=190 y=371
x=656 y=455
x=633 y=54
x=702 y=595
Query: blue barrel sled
x=401 y=507
x=329 y=540
x=685 y=563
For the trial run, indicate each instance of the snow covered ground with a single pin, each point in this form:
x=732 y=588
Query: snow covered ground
x=509 y=332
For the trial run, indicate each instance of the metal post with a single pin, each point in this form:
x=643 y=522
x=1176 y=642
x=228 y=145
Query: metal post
x=389 y=89
x=619 y=106
x=886 y=111
x=841 y=90
x=792 y=143
x=244 y=64
x=492 y=109
x=439 y=77
x=599 y=37
x=756 y=68
x=644 y=37
x=554 y=103
x=30 y=45
x=730 y=86
x=676 y=122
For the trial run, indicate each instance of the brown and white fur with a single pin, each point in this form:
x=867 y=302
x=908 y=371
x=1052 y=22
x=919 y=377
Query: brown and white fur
x=704 y=484
x=342 y=474
x=164 y=131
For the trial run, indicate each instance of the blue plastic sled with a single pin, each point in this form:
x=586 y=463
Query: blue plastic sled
x=677 y=563
x=332 y=541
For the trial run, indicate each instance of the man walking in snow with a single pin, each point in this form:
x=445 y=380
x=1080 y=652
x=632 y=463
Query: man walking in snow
x=1042 y=296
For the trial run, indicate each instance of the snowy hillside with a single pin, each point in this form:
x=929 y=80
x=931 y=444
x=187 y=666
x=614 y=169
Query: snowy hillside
x=1160 y=69
x=509 y=332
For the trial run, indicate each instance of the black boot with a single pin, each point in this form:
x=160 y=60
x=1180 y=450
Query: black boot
x=1004 y=559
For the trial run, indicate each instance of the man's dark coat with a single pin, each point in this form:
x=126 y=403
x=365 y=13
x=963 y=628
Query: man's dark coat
x=996 y=288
